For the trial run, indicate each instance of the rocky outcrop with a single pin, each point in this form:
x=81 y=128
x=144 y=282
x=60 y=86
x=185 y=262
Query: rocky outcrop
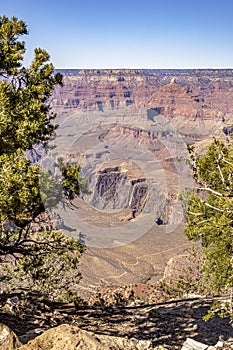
x=70 y=337
x=116 y=189
x=191 y=344
x=67 y=337
x=172 y=325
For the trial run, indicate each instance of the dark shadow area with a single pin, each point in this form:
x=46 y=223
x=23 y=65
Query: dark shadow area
x=168 y=323
x=153 y=112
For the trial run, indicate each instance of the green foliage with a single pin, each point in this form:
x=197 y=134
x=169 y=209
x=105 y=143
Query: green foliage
x=209 y=211
x=70 y=180
x=25 y=117
x=11 y=49
x=221 y=308
x=35 y=258
x=72 y=184
x=20 y=197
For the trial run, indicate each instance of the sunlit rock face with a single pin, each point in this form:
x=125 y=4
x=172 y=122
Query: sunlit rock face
x=174 y=92
x=105 y=89
x=197 y=102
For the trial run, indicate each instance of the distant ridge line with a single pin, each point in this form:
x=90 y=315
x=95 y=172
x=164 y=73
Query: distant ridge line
x=156 y=71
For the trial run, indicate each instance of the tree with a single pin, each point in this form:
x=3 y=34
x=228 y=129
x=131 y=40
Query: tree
x=209 y=211
x=26 y=119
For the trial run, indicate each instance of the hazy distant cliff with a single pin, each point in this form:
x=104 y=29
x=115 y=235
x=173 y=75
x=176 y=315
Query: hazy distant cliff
x=189 y=93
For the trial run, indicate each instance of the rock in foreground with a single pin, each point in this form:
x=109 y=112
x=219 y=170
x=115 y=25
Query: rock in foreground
x=67 y=337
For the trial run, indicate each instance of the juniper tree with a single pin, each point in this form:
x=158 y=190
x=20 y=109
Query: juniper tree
x=209 y=211
x=26 y=119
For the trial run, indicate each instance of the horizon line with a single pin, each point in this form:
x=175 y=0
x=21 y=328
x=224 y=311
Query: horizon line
x=197 y=68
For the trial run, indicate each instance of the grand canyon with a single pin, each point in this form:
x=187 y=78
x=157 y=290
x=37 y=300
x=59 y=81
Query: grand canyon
x=129 y=130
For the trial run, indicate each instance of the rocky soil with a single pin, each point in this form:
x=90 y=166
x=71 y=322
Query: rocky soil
x=165 y=325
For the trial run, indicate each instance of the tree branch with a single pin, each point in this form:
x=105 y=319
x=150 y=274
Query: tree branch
x=210 y=190
x=220 y=170
x=195 y=214
x=226 y=161
x=217 y=209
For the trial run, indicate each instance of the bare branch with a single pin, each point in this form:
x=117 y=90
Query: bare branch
x=195 y=214
x=217 y=209
x=201 y=222
x=220 y=170
x=226 y=161
x=210 y=190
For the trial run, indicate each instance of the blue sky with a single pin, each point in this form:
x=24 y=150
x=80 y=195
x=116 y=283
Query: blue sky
x=129 y=33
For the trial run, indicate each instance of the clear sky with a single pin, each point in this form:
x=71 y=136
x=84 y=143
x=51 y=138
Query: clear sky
x=129 y=33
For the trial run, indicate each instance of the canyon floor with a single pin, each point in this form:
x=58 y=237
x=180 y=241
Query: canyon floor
x=143 y=260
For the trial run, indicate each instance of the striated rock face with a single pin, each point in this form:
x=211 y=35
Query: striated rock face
x=198 y=102
x=109 y=182
x=174 y=100
x=105 y=89
x=116 y=188
x=201 y=93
